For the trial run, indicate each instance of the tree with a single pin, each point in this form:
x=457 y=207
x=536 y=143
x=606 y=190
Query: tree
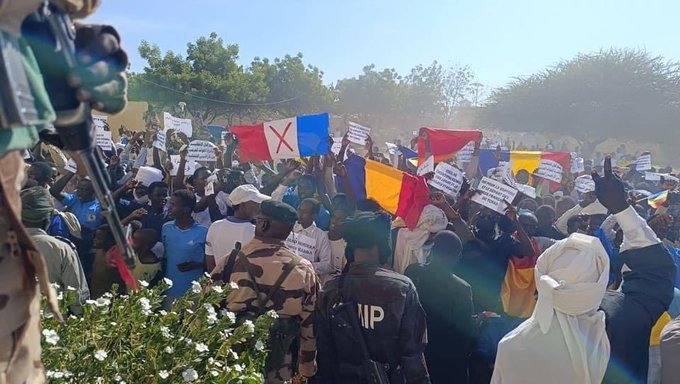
x=371 y=96
x=592 y=97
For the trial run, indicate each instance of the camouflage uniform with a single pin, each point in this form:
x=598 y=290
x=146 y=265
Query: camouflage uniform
x=296 y=297
x=20 y=262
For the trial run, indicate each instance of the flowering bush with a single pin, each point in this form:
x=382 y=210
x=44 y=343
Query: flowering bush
x=128 y=339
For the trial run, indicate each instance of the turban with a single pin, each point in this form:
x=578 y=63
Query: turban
x=36 y=204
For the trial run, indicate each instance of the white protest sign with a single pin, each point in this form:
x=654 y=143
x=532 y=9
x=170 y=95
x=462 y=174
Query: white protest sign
x=358 y=133
x=201 y=150
x=71 y=166
x=426 y=167
x=100 y=121
x=447 y=179
x=653 y=176
x=643 y=163
x=527 y=190
x=465 y=154
x=392 y=149
x=577 y=165
x=147 y=175
x=189 y=167
x=550 y=170
x=337 y=145
x=494 y=195
x=182 y=125
x=103 y=139
x=584 y=184
x=303 y=245
x=160 y=141
x=210 y=189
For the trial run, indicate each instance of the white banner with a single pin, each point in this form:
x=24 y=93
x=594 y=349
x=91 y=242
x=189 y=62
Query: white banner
x=182 y=125
x=337 y=145
x=653 y=176
x=426 y=167
x=304 y=246
x=465 y=154
x=527 y=190
x=189 y=167
x=494 y=195
x=100 y=121
x=550 y=170
x=577 y=165
x=103 y=139
x=201 y=150
x=160 y=141
x=358 y=133
x=392 y=149
x=447 y=179
x=584 y=184
x=643 y=163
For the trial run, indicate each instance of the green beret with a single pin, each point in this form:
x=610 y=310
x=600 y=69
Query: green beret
x=279 y=211
x=366 y=229
x=36 y=204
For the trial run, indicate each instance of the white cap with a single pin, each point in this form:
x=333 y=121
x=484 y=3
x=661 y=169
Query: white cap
x=244 y=193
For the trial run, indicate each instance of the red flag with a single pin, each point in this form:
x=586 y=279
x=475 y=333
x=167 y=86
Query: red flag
x=414 y=196
x=115 y=256
x=443 y=143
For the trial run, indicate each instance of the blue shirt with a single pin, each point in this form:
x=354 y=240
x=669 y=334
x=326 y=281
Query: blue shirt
x=182 y=245
x=323 y=219
x=88 y=214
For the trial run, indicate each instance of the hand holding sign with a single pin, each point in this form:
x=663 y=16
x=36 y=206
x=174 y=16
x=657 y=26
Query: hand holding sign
x=358 y=133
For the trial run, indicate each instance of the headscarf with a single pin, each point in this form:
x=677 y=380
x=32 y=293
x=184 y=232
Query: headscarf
x=36 y=204
x=410 y=242
x=565 y=339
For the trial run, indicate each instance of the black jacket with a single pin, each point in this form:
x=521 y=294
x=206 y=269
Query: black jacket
x=391 y=319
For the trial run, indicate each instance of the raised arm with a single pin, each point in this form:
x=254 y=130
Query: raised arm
x=59 y=186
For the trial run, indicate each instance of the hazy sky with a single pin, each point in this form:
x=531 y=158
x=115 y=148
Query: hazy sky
x=498 y=39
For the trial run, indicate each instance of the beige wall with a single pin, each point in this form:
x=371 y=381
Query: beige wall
x=132 y=117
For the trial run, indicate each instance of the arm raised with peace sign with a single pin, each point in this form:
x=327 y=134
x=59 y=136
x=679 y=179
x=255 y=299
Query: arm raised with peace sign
x=609 y=189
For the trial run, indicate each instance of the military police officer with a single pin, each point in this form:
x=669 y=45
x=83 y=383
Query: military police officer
x=272 y=277
x=387 y=316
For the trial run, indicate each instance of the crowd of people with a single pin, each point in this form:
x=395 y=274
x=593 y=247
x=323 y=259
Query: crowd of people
x=568 y=285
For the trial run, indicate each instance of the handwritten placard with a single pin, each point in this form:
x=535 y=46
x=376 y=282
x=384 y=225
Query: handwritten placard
x=584 y=184
x=202 y=150
x=303 y=245
x=643 y=163
x=182 y=125
x=100 y=121
x=550 y=170
x=103 y=139
x=447 y=179
x=71 y=166
x=160 y=141
x=337 y=145
x=358 y=133
x=189 y=167
x=465 y=154
x=426 y=167
x=493 y=195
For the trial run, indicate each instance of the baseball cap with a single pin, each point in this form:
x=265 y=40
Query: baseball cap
x=246 y=192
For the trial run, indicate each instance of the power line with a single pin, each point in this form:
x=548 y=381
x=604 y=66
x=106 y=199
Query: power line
x=219 y=101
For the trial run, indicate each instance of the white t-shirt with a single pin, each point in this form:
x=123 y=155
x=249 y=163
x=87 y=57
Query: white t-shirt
x=203 y=217
x=223 y=235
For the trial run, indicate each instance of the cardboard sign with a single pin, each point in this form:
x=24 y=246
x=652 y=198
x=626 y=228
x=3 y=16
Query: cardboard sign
x=189 y=167
x=337 y=145
x=584 y=184
x=303 y=245
x=358 y=133
x=182 y=125
x=160 y=142
x=447 y=179
x=494 y=195
x=426 y=167
x=103 y=139
x=201 y=150
x=643 y=163
x=465 y=154
x=550 y=170
x=577 y=165
x=100 y=121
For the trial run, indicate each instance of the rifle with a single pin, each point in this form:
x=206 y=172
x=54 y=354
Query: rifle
x=51 y=34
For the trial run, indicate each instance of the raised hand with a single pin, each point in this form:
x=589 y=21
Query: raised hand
x=609 y=189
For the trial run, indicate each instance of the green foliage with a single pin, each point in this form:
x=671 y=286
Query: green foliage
x=126 y=339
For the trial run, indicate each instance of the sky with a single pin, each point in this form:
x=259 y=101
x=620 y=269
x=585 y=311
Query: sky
x=497 y=39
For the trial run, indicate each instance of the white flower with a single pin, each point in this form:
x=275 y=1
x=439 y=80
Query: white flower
x=70 y=288
x=143 y=283
x=99 y=380
x=165 y=331
x=167 y=282
x=225 y=334
x=211 y=318
x=206 y=274
x=169 y=349
x=113 y=323
x=238 y=368
x=259 y=345
x=195 y=287
x=117 y=378
x=189 y=311
x=250 y=327
x=230 y=315
x=163 y=374
x=101 y=355
x=162 y=312
x=55 y=286
x=188 y=341
x=233 y=354
x=102 y=302
x=189 y=375
x=214 y=373
x=55 y=374
x=272 y=314
x=217 y=288
x=60 y=296
x=200 y=347
x=145 y=304
x=51 y=336
x=233 y=285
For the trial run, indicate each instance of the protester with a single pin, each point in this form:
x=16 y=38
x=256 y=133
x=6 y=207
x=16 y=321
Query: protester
x=293 y=299
x=447 y=301
x=413 y=245
x=339 y=213
x=306 y=188
x=376 y=305
x=317 y=247
x=545 y=214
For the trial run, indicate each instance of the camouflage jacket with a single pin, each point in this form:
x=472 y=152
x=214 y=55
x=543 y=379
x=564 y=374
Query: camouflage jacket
x=295 y=297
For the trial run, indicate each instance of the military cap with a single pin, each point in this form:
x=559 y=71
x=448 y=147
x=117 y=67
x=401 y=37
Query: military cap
x=366 y=229
x=279 y=211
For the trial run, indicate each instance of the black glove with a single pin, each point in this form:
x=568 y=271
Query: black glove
x=609 y=189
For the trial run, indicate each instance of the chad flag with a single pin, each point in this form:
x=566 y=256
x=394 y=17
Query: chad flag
x=397 y=192
x=529 y=161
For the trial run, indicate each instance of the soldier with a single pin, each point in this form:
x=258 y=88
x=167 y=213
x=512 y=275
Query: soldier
x=101 y=83
x=390 y=319
x=265 y=265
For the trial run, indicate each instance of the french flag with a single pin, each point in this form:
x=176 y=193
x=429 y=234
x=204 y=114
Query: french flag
x=283 y=139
